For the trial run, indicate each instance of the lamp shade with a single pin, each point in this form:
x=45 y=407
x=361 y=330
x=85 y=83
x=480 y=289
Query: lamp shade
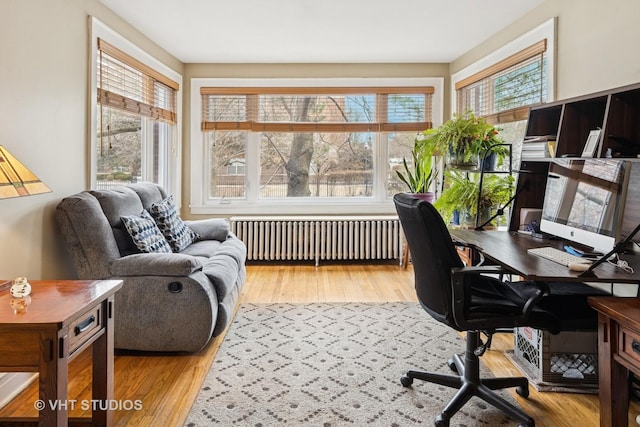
x=16 y=180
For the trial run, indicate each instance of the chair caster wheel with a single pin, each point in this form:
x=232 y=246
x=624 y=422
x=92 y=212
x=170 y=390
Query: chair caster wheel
x=523 y=391
x=406 y=381
x=441 y=422
x=452 y=365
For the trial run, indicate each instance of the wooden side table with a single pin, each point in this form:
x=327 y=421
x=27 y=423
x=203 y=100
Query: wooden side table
x=618 y=353
x=64 y=318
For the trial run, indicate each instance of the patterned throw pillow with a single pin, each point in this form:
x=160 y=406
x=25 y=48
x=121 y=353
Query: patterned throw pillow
x=177 y=233
x=145 y=233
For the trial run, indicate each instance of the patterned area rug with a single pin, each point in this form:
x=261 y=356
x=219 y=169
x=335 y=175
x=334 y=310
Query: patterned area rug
x=330 y=365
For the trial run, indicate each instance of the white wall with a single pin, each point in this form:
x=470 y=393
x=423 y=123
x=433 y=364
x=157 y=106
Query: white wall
x=44 y=107
x=596 y=43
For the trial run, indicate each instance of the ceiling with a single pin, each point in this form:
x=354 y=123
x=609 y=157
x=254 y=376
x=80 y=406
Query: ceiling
x=319 y=31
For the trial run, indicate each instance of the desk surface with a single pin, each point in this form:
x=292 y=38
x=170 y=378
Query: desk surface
x=509 y=250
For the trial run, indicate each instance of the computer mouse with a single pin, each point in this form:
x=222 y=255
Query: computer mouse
x=579 y=266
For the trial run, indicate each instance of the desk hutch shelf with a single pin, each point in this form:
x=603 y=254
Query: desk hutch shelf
x=616 y=112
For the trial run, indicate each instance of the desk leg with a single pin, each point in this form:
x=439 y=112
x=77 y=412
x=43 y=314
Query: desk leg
x=103 y=369
x=53 y=378
x=614 y=387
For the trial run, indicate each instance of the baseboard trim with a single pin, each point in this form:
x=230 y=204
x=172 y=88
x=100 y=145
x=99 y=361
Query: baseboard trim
x=11 y=384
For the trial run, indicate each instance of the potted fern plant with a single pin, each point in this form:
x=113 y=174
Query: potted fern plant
x=464 y=196
x=463 y=139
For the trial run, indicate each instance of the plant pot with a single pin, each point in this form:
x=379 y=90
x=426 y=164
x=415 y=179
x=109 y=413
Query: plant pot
x=455 y=218
x=488 y=163
x=483 y=216
x=427 y=197
x=465 y=220
x=462 y=218
x=457 y=160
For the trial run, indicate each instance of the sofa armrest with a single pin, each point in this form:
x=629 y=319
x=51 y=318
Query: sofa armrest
x=155 y=264
x=210 y=229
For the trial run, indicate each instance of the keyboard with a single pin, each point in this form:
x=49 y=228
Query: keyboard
x=557 y=256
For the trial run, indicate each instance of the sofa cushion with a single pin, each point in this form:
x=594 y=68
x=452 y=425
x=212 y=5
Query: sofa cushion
x=202 y=249
x=222 y=271
x=116 y=203
x=171 y=225
x=148 y=192
x=225 y=265
x=210 y=229
x=145 y=233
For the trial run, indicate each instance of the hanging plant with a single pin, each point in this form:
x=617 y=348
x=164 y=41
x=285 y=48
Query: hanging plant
x=465 y=137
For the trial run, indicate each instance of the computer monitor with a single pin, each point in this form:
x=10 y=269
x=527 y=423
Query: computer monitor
x=584 y=200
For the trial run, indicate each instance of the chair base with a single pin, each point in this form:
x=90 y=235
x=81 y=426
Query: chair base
x=469 y=384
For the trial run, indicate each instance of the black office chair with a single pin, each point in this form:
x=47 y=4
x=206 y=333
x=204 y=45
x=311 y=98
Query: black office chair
x=466 y=300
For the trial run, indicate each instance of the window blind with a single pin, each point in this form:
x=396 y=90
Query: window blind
x=302 y=109
x=128 y=84
x=504 y=92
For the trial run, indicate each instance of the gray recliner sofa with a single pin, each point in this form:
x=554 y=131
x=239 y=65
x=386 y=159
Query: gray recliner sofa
x=169 y=301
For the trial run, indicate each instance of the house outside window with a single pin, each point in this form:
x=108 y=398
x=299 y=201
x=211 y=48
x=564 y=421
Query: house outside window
x=235 y=167
x=306 y=149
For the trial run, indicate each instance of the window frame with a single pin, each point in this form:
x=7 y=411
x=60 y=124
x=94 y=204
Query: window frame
x=200 y=203
x=546 y=30
x=171 y=167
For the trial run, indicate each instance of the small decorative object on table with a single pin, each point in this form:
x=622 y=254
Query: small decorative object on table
x=20 y=288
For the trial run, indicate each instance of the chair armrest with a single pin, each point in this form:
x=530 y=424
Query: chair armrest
x=210 y=229
x=161 y=264
x=479 y=269
x=458 y=291
x=457 y=287
x=542 y=291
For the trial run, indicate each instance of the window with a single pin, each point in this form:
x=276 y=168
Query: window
x=504 y=85
x=135 y=115
x=512 y=85
x=311 y=148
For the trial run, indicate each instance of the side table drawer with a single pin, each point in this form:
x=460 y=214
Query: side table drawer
x=629 y=346
x=81 y=330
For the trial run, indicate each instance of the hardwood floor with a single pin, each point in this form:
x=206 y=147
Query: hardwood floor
x=166 y=385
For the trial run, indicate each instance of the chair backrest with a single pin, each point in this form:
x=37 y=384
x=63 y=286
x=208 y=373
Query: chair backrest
x=433 y=254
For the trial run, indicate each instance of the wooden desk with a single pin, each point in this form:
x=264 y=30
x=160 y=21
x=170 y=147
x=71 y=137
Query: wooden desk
x=618 y=353
x=619 y=318
x=509 y=249
x=63 y=319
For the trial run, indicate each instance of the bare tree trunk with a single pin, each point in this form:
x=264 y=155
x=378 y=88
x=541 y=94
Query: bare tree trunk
x=299 y=162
